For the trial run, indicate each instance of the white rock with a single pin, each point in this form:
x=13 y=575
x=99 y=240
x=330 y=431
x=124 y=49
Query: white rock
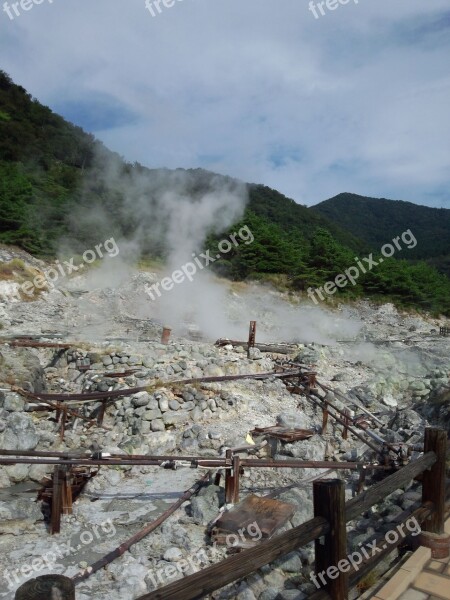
x=390 y=401
x=173 y=554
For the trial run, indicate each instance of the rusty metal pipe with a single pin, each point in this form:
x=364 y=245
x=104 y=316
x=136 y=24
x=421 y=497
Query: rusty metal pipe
x=120 y=550
x=341 y=421
x=218 y=463
x=131 y=391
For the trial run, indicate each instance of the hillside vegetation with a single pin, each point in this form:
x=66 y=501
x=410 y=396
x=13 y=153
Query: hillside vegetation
x=58 y=182
x=377 y=220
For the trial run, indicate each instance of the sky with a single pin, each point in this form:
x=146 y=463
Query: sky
x=273 y=92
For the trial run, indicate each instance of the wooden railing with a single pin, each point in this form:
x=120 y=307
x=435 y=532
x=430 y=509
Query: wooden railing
x=331 y=514
x=327 y=529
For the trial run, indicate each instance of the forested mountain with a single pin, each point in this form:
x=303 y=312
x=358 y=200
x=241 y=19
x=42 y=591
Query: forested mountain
x=53 y=174
x=377 y=221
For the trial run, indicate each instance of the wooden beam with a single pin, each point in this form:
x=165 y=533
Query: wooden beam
x=240 y=565
x=329 y=503
x=381 y=549
x=433 y=483
x=379 y=491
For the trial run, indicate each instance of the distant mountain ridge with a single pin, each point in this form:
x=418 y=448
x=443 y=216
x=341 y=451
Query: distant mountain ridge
x=58 y=184
x=377 y=220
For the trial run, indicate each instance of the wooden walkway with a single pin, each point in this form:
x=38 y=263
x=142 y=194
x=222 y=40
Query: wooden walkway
x=419 y=578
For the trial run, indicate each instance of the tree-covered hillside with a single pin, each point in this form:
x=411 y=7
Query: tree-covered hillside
x=377 y=221
x=58 y=183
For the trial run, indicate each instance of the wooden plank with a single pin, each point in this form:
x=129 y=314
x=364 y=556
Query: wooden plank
x=240 y=565
x=434 y=585
x=379 y=491
x=382 y=549
x=284 y=433
x=268 y=513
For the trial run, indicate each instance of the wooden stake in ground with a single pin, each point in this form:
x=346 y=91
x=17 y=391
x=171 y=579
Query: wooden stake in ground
x=58 y=476
x=251 y=337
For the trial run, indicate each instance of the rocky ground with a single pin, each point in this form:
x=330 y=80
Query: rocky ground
x=395 y=364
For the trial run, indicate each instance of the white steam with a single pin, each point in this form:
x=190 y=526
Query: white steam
x=176 y=211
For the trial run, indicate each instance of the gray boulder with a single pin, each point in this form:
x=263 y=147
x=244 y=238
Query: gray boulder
x=20 y=433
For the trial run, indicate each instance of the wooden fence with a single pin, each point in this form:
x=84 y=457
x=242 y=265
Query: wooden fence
x=331 y=514
x=327 y=529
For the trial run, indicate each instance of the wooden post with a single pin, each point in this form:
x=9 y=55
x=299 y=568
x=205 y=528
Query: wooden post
x=433 y=483
x=67 y=508
x=252 y=334
x=47 y=587
x=361 y=480
x=101 y=412
x=347 y=423
x=251 y=337
x=324 y=417
x=229 y=479
x=165 y=336
x=329 y=503
x=56 y=500
x=63 y=422
x=59 y=406
x=236 y=477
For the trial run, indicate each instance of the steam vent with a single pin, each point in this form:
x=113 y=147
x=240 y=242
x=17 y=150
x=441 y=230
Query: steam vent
x=163 y=460
x=224 y=300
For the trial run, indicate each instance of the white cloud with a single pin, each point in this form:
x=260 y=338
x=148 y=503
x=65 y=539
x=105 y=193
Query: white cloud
x=354 y=101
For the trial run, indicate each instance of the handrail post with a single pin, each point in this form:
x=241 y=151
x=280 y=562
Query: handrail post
x=433 y=483
x=229 y=479
x=236 y=476
x=58 y=475
x=331 y=573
